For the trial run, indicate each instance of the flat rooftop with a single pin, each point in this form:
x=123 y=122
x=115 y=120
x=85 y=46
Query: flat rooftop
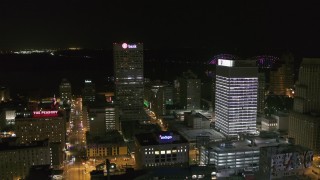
x=191 y=134
x=146 y=139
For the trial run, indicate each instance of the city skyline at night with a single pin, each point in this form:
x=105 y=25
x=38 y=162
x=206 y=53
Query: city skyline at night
x=159 y=90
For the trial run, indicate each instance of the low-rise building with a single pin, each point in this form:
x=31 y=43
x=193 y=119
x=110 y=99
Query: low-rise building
x=196 y=120
x=161 y=149
x=284 y=161
x=236 y=156
x=111 y=144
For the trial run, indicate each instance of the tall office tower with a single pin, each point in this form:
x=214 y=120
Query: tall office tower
x=261 y=92
x=129 y=89
x=190 y=91
x=304 y=121
x=65 y=90
x=282 y=78
x=236 y=97
x=88 y=92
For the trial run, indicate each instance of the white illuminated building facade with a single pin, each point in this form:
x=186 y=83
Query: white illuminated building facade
x=128 y=69
x=236 y=97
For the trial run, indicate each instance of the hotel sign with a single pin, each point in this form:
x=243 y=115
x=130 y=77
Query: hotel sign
x=40 y=114
x=167 y=137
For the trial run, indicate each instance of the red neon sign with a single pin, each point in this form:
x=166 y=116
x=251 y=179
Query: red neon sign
x=45 y=114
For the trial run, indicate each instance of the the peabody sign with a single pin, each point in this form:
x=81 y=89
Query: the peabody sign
x=45 y=113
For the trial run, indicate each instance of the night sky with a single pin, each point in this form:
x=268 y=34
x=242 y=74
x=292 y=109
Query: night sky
x=243 y=25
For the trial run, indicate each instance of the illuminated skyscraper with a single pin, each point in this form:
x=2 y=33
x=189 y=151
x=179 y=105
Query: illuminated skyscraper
x=236 y=97
x=128 y=72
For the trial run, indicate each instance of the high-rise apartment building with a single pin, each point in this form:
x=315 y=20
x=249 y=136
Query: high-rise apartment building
x=304 y=121
x=236 y=97
x=65 y=90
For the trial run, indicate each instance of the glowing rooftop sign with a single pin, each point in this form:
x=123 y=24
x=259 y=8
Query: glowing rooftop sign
x=39 y=114
x=165 y=137
x=130 y=46
x=224 y=62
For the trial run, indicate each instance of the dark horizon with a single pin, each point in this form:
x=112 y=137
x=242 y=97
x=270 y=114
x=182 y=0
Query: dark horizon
x=263 y=26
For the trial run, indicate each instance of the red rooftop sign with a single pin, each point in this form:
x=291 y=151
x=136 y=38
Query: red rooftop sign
x=45 y=114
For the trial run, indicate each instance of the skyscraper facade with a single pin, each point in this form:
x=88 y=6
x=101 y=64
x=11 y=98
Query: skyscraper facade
x=88 y=92
x=304 y=121
x=236 y=97
x=190 y=91
x=261 y=92
x=65 y=90
x=282 y=78
x=128 y=71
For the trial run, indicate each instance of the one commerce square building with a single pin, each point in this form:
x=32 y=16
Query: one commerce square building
x=236 y=97
x=128 y=69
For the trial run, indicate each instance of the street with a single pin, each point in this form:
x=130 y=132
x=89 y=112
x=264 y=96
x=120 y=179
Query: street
x=75 y=167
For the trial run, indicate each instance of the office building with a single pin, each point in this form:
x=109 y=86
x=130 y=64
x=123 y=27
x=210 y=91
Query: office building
x=261 y=92
x=4 y=94
x=278 y=162
x=129 y=88
x=190 y=91
x=236 y=97
x=111 y=144
x=282 y=77
x=65 y=91
x=236 y=156
x=304 y=121
x=7 y=117
x=162 y=149
x=268 y=124
x=157 y=95
x=196 y=120
x=16 y=159
x=128 y=69
x=103 y=119
x=88 y=92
